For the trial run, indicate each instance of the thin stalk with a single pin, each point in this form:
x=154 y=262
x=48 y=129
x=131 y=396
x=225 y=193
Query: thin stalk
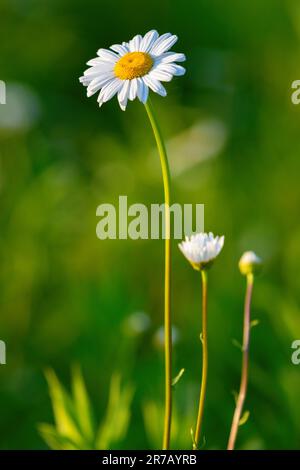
x=167 y=303
x=204 y=361
x=245 y=365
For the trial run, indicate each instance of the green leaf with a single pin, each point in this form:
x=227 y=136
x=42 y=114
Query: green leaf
x=54 y=440
x=115 y=424
x=153 y=418
x=244 y=418
x=82 y=405
x=203 y=443
x=63 y=409
x=235 y=396
x=254 y=323
x=237 y=344
x=178 y=377
x=193 y=439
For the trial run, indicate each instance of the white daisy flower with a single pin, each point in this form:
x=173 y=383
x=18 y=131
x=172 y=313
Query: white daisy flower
x=131 y=68
x=201 y=249
x=250 y=263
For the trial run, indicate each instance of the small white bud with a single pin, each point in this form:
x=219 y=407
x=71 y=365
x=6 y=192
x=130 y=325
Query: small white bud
x=250 y=263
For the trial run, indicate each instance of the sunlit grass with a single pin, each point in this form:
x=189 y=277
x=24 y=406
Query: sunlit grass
x=75 y=425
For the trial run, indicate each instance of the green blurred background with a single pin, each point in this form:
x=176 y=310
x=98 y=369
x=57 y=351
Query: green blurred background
x=233 y=138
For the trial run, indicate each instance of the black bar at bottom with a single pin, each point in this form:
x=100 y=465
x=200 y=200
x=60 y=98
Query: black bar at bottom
x=136 y=458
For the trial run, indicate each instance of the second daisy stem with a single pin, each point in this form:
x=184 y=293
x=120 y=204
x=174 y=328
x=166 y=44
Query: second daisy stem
x=245 y=365
x=167 y=316
x=204 y=361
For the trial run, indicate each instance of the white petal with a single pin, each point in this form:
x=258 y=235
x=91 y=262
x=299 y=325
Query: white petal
x=177 y=70
x=120 y=49
x=99 y=69
x=221 y=242
x=134 y=44
x=133 y=89
x=98 y=83
x=168 y=57
x=123 y=94
x=100 y=98
x=107 y=55
x=161 y=74
x=124 y=90
x=95 y=72
x=154 y=84
x=143 y=90
x=95 y=61
x=148 y=40
x=84 y=80
x=123 y=104
x=164 y=45
x=172 y=69
x=109 y=90
x=158 y=41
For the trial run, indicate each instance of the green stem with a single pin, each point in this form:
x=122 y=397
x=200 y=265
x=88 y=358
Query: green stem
x=167 y=316
x=204 y=361
x=245 y=365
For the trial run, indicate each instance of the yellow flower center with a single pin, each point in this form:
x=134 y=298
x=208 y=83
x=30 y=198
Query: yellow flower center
x=133 y=65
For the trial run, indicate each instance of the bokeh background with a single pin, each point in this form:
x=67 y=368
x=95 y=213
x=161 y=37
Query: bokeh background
x=233 y=137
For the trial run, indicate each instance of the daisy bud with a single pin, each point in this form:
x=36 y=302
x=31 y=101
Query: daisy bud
x=250 y=263
x=201 y=249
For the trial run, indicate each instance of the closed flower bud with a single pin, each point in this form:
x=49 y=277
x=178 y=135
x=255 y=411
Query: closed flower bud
x=250 y=263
